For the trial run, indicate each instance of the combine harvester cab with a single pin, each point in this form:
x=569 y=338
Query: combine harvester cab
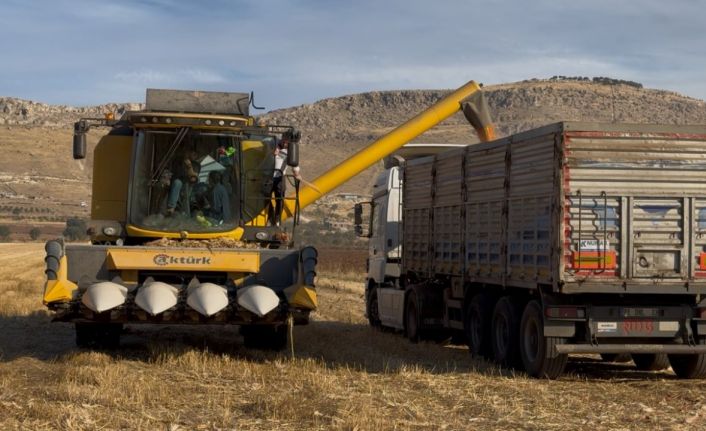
x=182 y=226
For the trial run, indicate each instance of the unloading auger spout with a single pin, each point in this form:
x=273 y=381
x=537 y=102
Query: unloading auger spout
x=468 y=98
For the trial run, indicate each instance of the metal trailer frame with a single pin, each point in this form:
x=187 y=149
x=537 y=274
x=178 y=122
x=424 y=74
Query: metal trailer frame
x=601 y=223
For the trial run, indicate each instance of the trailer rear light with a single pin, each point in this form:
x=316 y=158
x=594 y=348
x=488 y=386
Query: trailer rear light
x=593 y=260
x=702 y=261
x=565 y=312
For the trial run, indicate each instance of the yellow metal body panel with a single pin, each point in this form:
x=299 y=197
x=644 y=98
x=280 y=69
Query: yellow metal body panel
x=302 y=297
x=111 y=177
x=61 y=289
x=184 y=260
x=384 y=146
x=135 y=231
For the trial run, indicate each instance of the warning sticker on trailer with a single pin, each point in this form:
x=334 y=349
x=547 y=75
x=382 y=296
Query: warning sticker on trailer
x=593 y=245
x=606 y=326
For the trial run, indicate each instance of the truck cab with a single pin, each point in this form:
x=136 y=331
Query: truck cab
x=384 y=298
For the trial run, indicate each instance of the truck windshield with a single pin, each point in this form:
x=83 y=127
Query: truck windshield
x=186 y=180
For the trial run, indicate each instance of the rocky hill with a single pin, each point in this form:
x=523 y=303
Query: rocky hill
x=37 y=172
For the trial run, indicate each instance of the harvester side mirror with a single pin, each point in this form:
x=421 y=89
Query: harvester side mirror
x=293 y=154
x=79 y=145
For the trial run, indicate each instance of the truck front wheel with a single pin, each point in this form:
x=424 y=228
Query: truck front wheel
x=689 y=366
x=371 y=308
x=411 y=326
x=536 y=350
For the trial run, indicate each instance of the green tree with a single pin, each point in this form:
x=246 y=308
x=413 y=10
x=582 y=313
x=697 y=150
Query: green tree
x=4 y=233
x=75 y=229
x=34 y=233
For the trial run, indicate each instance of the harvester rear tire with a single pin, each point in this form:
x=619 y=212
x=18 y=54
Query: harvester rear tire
x=264 y=337
x=536 y=350
x=689 y=366
x=650 y=361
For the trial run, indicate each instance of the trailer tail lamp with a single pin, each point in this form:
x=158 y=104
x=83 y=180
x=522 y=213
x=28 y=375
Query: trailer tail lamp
x=593 y=260
x=565 y=312
x=702 y=261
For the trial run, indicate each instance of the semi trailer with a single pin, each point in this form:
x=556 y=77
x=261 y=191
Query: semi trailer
x=573 y=238
x=182 y=227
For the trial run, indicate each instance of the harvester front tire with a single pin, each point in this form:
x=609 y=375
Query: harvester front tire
x=536 y=350
x=98 y=335
x=264 y=337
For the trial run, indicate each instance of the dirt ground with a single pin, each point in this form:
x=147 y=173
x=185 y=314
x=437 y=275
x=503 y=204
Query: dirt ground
x=344 y=375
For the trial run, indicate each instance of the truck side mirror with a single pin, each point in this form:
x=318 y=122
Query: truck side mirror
x=293 y=154
x=79 y=145
x=360 y=225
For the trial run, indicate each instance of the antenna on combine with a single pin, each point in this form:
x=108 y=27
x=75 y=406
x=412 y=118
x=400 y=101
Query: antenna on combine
x=252 y=101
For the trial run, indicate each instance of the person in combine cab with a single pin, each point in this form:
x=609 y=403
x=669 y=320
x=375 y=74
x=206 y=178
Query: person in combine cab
x=220 y=202
x=185 y=173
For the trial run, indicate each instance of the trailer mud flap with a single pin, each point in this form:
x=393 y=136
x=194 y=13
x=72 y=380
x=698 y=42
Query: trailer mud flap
x=559 y=328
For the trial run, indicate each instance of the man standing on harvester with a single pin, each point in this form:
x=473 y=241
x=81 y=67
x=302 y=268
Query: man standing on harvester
x=279 y=185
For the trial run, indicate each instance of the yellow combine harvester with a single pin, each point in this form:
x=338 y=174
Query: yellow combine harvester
x=182 y=227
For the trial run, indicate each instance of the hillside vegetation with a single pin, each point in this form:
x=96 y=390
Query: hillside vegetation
x=37 y=171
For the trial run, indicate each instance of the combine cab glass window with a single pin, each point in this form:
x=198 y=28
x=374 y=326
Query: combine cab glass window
x=187 y=181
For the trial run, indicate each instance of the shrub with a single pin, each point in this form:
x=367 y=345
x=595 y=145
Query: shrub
x=4 y=233
x=35 y=233
x=75 y=229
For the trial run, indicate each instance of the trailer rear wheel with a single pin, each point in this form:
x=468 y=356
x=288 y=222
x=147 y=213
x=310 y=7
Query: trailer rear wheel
x=264 y=337
x=477 y=325
x=411 y=326
x=689 y=366
x=616 y=357
x=650 y=361
x=536 y=350
x=98 y=335
x=505 y=329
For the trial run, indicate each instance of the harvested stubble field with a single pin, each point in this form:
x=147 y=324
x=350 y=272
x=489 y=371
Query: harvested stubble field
x=344 y=376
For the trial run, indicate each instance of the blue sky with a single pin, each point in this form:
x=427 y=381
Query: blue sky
x=292 y=52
